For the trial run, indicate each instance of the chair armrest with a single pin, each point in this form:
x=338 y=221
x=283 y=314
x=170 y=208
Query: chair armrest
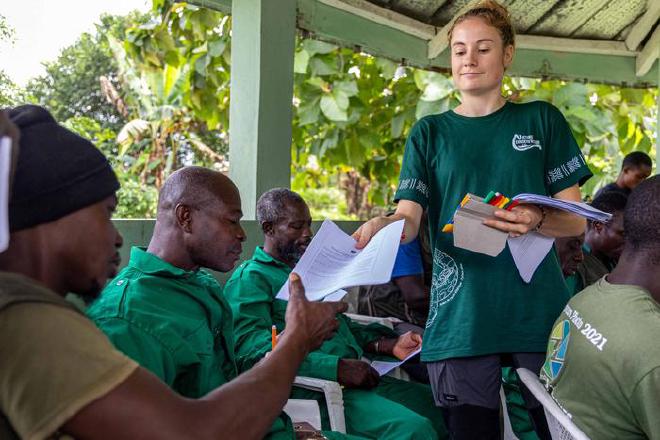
x=334 y=399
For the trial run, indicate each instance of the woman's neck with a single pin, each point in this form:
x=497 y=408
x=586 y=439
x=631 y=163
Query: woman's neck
x=474 y=105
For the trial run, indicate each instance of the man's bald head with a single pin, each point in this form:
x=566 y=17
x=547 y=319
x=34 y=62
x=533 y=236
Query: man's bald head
x=198 y=218
x=197 y=188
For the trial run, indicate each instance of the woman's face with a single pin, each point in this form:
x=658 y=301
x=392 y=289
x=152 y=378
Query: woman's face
x=478 y=58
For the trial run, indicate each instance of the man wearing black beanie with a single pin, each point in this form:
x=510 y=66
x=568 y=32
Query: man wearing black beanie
x=59 y=374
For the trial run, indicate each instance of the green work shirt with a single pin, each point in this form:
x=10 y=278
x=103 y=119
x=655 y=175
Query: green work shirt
x=480 y=304
x=592 y=268
x=603 y=362
x=251 y=292
x=173 y=322
x=574 y=284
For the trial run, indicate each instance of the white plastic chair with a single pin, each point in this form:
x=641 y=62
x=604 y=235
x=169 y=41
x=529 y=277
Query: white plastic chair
x=334 y=400
x=560 y=424
x=300 y=410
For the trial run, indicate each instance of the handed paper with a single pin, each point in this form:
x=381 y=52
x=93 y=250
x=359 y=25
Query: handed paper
x=331 y=261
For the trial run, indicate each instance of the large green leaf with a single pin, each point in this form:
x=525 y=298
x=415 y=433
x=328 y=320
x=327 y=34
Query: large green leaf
x=322 y=67
x=348 y=88
x=332 y=109
x=301 y=60
x=315 y=46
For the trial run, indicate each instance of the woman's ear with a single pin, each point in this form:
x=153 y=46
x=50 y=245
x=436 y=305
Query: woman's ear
x=508 y=56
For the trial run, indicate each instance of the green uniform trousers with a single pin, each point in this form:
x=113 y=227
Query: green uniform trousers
x=395 y=409
x=515 y=404
x=330 y=435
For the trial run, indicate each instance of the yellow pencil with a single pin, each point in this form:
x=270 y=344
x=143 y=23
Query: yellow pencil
x=273 y=337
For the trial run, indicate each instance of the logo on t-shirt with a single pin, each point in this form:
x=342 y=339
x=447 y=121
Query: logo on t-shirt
x=446 y=282
x=557 y=348
x=522 y=142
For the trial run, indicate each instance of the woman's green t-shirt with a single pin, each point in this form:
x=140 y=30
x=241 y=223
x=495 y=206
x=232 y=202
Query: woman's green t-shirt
x=479 y=304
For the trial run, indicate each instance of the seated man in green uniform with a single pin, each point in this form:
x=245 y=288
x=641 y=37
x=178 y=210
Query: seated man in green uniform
x=375 y=407
x=166 y=313
x=571 y=254
x=61 y=377
x=603 y=359
x=603 y=242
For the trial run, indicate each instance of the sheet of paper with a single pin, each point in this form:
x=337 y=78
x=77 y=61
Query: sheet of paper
x=384 y=367
x=5 y=165
x=336 y=296
x=528 y=251
x=332 y=262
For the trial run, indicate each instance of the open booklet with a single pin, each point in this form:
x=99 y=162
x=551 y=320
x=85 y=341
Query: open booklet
x=579 y=208
x=331 y=261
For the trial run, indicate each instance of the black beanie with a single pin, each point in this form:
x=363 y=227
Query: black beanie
x=58 y=172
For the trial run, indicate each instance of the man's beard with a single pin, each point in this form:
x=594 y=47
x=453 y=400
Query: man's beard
x=290 y=252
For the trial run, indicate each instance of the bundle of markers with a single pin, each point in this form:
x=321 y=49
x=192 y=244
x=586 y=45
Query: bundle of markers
x=493 y=198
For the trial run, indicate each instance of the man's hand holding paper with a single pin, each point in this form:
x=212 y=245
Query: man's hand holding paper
x=333 y=262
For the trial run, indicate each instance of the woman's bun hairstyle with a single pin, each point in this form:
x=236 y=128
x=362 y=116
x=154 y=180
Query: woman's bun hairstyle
x=494 y=14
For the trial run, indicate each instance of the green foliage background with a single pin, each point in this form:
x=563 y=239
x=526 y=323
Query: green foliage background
x=167 y=105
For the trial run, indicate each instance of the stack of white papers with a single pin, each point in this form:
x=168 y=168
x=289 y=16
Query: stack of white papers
x=5 y=165
x=579 y=208
x=331 y=261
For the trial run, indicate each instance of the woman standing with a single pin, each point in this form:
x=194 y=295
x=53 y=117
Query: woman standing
x=482 y=315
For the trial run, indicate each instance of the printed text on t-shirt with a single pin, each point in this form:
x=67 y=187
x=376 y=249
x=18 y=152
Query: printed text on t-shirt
x=588 y=330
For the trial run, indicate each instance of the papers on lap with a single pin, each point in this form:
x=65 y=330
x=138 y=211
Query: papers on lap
x=5 y=165
x=331 y=261
x=384 y=367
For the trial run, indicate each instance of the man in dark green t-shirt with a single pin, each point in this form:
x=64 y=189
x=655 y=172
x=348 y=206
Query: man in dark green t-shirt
x=636 y=167
x=603 y=358
x=163 y=310
x=384 y=408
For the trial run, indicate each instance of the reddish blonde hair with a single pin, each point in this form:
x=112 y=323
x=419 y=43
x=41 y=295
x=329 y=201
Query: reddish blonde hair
x=495 y=15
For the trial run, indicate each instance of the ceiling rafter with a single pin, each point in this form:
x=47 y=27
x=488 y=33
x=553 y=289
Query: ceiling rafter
x=645 y=25
x=387 y=17
x=649 y=54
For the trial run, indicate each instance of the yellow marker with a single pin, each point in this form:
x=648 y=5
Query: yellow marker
x=448 y=228
x=273 y=337
x=465 y=200
x=503 y=202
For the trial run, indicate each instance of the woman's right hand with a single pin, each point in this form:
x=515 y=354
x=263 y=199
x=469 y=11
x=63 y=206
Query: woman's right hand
x=406 y=210
x=368 y=229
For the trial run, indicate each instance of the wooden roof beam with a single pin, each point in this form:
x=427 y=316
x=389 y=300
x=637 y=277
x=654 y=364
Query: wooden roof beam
x=649 y=54
x=572 y=45
x=386 y=17
x=643 y=26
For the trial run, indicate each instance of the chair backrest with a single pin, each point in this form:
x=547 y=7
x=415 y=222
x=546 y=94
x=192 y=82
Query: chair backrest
x=560 y=424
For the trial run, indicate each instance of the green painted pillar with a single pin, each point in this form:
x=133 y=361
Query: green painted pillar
x=262 y=53
x=657 y=126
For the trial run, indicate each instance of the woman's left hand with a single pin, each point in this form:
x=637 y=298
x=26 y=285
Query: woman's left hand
x=520 y=220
